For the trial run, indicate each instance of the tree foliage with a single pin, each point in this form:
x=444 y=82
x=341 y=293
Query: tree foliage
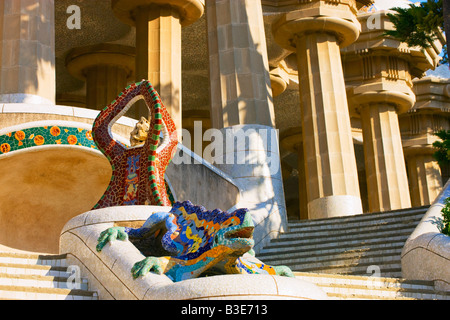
x=417 y=24
x=442 y=154
x=446 y=218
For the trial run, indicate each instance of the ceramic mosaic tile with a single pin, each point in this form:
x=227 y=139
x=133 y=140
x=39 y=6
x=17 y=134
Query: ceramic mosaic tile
x=47 y=135
x=138 y=172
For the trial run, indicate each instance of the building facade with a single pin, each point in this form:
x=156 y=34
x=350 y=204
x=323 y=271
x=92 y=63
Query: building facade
x=351 y=110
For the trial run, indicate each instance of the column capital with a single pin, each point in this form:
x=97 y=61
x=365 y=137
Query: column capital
x=189 y=10
x=373 y=41
x=414 y=150
x=292 y=139
x=279 y=80
x=338 y=18
x=403 y=99
x=432 y=94
x=79 y=60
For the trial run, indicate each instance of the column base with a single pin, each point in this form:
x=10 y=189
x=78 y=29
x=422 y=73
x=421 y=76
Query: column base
x=334 y=206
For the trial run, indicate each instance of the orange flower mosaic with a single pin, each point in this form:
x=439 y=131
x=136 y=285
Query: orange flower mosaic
x=48 y=135
x=72 y=140
x=5 y=148
x=55 y=131
x=19 y=135
x=39 y=140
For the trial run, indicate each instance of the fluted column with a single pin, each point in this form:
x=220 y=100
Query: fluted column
x=387 y=181
x=242 y=108
x=106 y=68
x=27 y=51
x=239 y=69
x=429 y=114
x=158 y=45
x=316 y=32
x=424 y=176
x=379 y=72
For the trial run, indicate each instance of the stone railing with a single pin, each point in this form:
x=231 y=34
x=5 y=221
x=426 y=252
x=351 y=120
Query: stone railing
x=109 y=271
x=426 y=254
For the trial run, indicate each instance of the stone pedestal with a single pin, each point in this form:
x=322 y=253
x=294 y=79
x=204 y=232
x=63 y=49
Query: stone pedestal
x=242 y=108
x=27 y=52
x=106 y=68
x=249 y=154
x=158 y=45
x=316 y=32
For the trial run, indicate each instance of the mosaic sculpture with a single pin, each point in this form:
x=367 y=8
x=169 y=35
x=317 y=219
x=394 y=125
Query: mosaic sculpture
x=138 y=172
x=189 y=240
x=193 y=241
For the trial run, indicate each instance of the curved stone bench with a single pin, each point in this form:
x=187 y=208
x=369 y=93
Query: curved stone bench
x=426 y=254
x=109 y=272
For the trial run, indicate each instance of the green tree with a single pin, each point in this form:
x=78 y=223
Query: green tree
x=446 y=218
x=417 y=24
x=442 y=154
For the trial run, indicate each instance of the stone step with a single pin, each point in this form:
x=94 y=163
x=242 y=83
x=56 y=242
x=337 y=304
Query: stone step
x=37 y=293
x=33 y=259
x=345 y=245
x=357 y=287
x=29 y=269
x=349 y=229
x=386 y=269
x=312 y=262
x=320 y=245
x=333 y=253
x=28 y=276
x=366 y=218
x=23 y=280
x=340 y=240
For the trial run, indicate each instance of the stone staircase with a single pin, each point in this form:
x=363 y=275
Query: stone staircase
x=27 y=276
x=349 y=258
x=345 y=287
x=354 y=257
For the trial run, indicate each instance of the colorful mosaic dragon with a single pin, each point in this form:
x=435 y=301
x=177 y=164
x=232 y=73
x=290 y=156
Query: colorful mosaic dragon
x=138 y=172
x=196 y=241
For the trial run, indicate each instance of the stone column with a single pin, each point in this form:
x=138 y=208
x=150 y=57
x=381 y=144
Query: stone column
x=107 y=69
x=429 y=114
x=424 y=176
x=316 y=31
x=158 y=45
x=292 y=141
x=379 y=72
x=387 y=181
x=27 y=51
x=242 y=108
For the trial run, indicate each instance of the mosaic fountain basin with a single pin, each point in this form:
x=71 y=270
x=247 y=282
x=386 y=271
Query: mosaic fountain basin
x=42 y=188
